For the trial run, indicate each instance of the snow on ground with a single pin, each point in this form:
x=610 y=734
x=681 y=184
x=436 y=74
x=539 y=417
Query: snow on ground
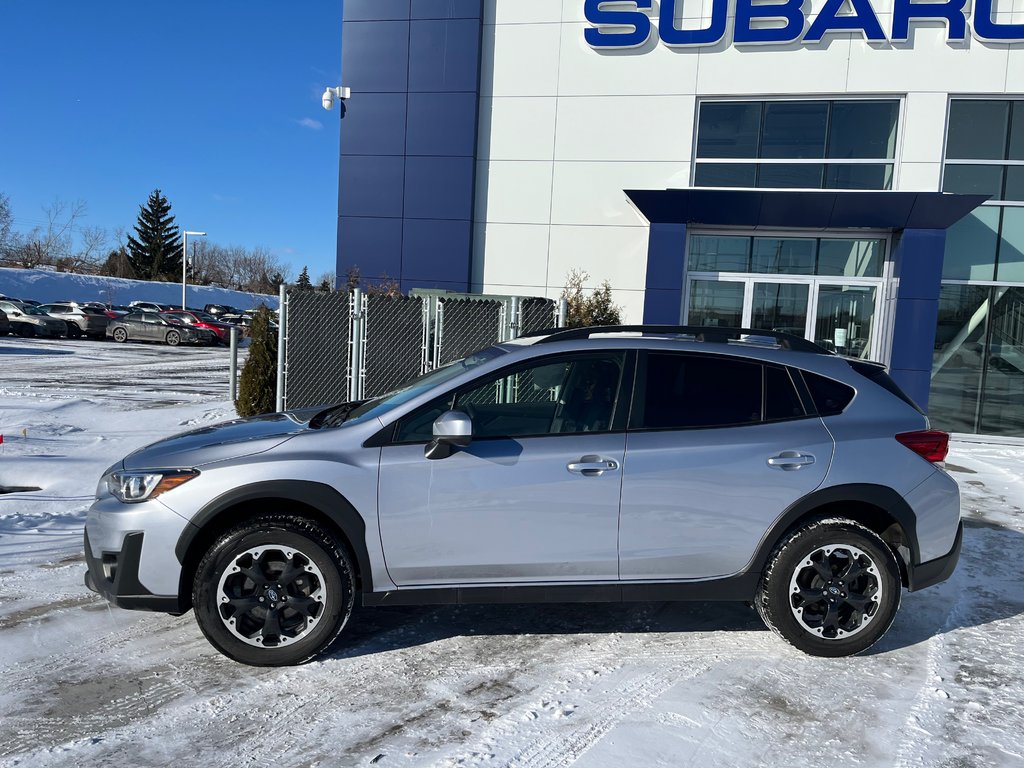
x=46 y=286
x=595 y=686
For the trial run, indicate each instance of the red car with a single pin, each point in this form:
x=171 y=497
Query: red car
x=222 y=331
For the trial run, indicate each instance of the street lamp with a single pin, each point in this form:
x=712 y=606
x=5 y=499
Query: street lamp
x=184 y=263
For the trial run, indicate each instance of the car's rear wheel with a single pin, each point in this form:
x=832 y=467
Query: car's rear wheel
x=74 y=332
x=275 y=591
x=26 y=331
x=173 y=338
x=120 y=335
x=832 y=588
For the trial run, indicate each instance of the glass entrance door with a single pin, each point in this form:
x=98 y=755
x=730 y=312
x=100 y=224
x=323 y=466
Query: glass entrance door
x=780 y=307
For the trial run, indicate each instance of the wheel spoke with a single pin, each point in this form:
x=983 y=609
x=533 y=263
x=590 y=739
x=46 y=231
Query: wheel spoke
x=272 y=624
x=254 y=574
x=303 y=605
x=852 y=571
x=823 y=569
x=809 y=596
x=831 y=620
x=290 y=573
x=244 y=604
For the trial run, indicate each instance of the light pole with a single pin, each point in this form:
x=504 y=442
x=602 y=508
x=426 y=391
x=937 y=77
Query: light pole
x=184 y=263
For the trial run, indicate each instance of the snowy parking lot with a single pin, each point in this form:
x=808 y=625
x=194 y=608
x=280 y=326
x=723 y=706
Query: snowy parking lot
x=84 y=684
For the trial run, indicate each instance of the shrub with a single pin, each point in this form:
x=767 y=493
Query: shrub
x=257 y=388
x=595 y=309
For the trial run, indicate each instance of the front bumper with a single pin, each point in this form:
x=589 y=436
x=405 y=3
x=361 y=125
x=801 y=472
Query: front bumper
x=938 y=570
x=115 y=576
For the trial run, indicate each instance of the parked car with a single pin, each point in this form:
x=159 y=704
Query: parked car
x=221 y=331
x=151 y=326
x=633 y=463
x=5 y=324
x=27 y=320
x=148 y=306
x=221 y=309
x=81 y=320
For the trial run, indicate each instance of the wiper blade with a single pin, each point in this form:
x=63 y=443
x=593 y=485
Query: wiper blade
x=335 y=415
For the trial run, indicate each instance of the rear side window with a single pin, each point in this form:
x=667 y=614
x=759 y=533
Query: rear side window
x=781 y=401
x=693 y=391
x=830 y=397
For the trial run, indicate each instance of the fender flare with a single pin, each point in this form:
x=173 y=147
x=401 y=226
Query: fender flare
x=327 y=501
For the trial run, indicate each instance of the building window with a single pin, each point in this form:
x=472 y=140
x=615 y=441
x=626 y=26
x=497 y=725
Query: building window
x=847 y=144
x=787 y=255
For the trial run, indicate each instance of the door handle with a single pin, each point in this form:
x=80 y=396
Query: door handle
x=592 y=466
x=790 y=460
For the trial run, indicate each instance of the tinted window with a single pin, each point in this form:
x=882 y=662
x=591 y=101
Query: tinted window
x=781 y=400
x=794 y=129
x=830 y=397
x=863 y=129
x=977 y=129
x=729 y=129
x=687 y=391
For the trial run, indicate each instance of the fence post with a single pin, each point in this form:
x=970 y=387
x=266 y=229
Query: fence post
x=282 y=342
x=233 y=368
x=515 y=307
x=355 y=358
x=563 y=312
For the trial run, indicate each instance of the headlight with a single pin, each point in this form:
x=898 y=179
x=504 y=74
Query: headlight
x=131 y=487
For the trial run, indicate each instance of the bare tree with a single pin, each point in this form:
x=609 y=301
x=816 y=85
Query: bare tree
x=6 y=222
x=54 y=243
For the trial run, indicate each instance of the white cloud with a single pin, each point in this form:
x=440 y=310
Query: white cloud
x=308 y=122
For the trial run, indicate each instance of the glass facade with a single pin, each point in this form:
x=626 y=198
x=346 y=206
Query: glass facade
x=978 y=364
x=849 y=144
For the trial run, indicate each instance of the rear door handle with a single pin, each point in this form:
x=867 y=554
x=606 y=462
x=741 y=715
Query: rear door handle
x=791 y=460
x=592 y=466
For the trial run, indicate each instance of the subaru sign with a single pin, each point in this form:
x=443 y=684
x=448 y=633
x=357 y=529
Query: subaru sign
x=619 y=24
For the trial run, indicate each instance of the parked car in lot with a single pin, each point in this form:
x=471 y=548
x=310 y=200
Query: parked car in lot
x=149 y=306
x=81 y=320
x=151 y=326
x=618 y=464
x=221 y=331
x=5 y=324
x=221 y=309
x=27 y=320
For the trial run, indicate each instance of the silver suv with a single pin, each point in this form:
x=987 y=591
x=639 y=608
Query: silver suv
x=615 y=464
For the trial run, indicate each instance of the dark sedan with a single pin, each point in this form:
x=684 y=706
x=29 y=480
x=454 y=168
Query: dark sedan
x=196 y=319
x=149 y=326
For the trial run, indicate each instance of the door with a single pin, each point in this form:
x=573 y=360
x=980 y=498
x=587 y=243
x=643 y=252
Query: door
x=535 y=497
x=717 y=449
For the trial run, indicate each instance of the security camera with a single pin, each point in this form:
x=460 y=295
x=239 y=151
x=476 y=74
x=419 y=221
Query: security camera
x=333 y=94
x=328 y=99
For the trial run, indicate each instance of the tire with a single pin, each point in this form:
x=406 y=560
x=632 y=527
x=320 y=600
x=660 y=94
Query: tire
x=26 y=331
x=120 y=335
x=74 y=332
x=810 y=598
x=173 y=338
x=253 y=566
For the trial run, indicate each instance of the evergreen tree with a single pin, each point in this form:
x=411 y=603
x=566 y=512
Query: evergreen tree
x=155 y=252
x=303 y=283
x=257 y=388
x=585 y=311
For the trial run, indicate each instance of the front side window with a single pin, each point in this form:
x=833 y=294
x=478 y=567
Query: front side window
x=568 y=395
x=797 y=144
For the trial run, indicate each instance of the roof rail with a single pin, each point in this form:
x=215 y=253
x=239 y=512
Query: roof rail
x=699 y=333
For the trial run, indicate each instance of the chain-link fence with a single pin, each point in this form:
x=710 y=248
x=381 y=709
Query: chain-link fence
x=342 y=347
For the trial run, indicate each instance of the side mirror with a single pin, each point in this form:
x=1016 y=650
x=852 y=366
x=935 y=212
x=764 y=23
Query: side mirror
x=452 y=429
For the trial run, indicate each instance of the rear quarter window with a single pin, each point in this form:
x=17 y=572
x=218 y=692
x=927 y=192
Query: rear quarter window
x=830 y=397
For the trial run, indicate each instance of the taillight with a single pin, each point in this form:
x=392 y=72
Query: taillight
x=930 y=444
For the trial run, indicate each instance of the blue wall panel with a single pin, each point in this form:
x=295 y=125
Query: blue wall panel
x=408 y=141
x=663 y=297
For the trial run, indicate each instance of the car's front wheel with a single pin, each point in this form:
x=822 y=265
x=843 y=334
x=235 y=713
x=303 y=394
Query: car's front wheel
x=173 y=338
x=832 y=588
x=120 y=335
x=274 y=591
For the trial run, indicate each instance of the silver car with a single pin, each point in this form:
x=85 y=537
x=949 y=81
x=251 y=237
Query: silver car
x=27 y=320
x=150 y=326
x=81 y=320
x=623 y=464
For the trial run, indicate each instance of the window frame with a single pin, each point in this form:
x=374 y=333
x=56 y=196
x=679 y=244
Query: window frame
x=895 y=161
x=620 y=414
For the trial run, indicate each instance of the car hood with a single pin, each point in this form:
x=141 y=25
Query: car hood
x=229 y=440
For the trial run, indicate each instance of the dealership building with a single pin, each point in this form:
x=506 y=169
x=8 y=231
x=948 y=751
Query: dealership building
x=848 y=170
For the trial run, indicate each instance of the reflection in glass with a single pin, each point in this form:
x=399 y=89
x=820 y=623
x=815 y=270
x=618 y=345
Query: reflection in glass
x=846 y=316
x=971 y=246
x=974 y=180
x=1015 y=180
x=977 y=129
x=959 y=357
x=1002 y=409
x=729 y=129
x=868 y=176
x=794 y=130
x=784 y=256
x=850 y=258
x=863 y=130
x=1015 y=148
x=716 y=303
x=790 y=176
x=1011 y=246
x=780 y=307
x=710 y=253
x=725 y=175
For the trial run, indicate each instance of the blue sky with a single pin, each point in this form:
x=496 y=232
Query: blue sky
x=216 y=103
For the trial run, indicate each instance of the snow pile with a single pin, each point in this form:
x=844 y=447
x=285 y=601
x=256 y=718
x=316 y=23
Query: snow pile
x=45 y=286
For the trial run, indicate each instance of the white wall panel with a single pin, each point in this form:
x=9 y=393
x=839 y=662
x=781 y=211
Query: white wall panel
x=592 y=192
x=919 y=177
x=513 y=192
x=523 y=11
x=517 y=254
x=616 y=254
x=924 y=127
x=520 y=60
x=625 y=128
x=517 y=128
x=1015 y=70
x=776 y=69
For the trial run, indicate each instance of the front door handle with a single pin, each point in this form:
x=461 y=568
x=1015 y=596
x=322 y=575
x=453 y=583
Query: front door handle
x=592 y=466
x=790 y=460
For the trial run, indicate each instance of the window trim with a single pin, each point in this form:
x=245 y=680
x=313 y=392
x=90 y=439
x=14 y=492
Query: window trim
x=387 y=437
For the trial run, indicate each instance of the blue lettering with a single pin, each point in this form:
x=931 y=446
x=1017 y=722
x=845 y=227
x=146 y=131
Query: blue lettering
x=862 y=19
x=986 y=29
x=952 y=11
x=790 y=10
x=712 y=34
x=639 y=23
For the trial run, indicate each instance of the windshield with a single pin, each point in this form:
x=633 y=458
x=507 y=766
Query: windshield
x=28 y=309
x=203 y=317
x=379 y=406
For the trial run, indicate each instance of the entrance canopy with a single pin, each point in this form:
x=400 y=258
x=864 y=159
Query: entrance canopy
x=918 y=221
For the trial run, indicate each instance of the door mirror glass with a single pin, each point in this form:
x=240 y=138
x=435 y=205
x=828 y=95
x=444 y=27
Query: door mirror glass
x=452 y=429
